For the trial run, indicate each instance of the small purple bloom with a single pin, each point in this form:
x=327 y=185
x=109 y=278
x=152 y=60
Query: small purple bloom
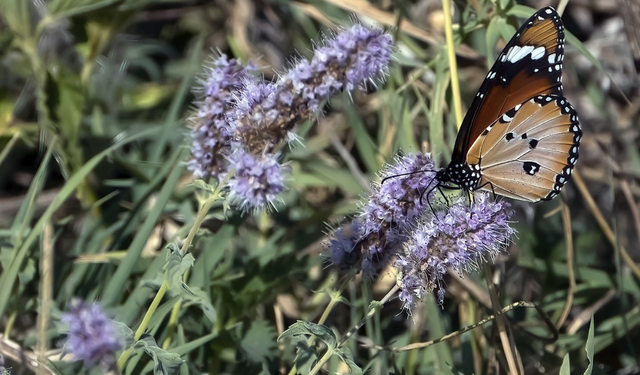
x=353 y=57
x=461 y=237
x=389 y=213
x=92 y=335
x=258 y=179
x=343 y=244
x=217 y=91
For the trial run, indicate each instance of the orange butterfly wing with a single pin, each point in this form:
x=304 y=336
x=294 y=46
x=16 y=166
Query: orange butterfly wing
x=520 y=138
x=530 y=65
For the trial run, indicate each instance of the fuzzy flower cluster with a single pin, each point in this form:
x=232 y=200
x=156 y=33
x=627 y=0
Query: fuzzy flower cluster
x=241 y=120
x=215 y=109
x=387 y=215
x=396 y=221
x=461 y=237
x=353 y=57
x=92 y=335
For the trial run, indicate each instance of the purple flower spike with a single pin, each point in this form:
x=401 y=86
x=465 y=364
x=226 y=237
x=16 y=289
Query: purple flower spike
x=393 y=209
x=92 y=335
x=355 y=56
x=257 y=181
x=343 y=243
x=389 y=213
x=217 y=90
x=462 y=237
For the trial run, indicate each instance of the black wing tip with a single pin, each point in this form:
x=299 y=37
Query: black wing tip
x=549 y=8
x=547 y=12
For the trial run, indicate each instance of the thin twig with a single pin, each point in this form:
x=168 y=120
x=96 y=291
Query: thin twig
x=348 y=159
x=508 y=346
x=566 y=221
x=603 y=224
x=46 y=297
x=422 y=345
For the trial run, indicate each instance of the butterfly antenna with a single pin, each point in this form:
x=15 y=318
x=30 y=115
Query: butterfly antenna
x=405 y=174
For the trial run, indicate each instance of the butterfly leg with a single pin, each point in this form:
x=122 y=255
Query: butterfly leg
x=492 y=189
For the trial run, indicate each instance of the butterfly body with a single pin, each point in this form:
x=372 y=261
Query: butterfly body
x=520 y=137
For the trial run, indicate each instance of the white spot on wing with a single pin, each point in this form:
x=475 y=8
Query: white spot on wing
x=517 y=53
x=537 y=53
x=552 y=58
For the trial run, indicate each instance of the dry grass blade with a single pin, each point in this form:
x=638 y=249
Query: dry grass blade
x=628 y=195
x=511 y=353
x=472 y=288
x=365 y=9
x=348 y=159
x=582 y=187
x=585 y=315
x=28 y=359
x=46 y=296
x=630 y=11
x=566 y=221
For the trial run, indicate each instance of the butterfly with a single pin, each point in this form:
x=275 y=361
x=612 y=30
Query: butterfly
x=520 y=137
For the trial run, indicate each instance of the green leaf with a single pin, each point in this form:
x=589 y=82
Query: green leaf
x=364 y=143
x=583 y=49
x=175 y=267
x=259 y=342
x=28 y=272
x=345 y=354
x=319 y=331
x=305 y=355
x=69 y=106
x=406 y=133
x=334 y=176
x=200 y=184
x=113 y=290
x=436 y=107
x=521 y=11
x=441 y=354
x=165 y=363
x=590 y=348
x=565 y=369
x=198 y=297
x=492 y=35
x=8 y=277
x=503 y=4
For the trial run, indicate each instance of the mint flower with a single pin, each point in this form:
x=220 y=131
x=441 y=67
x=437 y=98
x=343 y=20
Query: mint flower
x=241 y=121
x=92 y=335
x=257 y=181
x=462 y=237
x=387 y=216
x=353 y=57
x=217 y=90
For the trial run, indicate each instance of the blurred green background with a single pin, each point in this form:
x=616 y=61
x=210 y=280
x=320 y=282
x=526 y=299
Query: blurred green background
x=93 y=186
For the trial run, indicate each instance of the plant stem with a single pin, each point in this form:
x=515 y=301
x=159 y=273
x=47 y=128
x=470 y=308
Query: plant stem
x=202 y=213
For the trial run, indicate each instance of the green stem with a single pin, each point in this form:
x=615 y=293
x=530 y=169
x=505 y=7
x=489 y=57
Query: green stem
x=453 y=67
x=145 y=322
x=321 y=362
x=202 y=213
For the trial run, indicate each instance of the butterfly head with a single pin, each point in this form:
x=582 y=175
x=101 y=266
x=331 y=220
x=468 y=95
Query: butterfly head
x=463 y=175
